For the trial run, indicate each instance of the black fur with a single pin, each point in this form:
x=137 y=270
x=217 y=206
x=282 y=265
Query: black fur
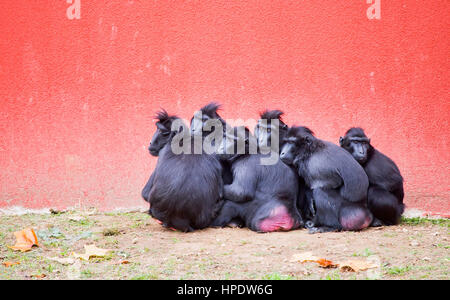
x=163 y=132
x=208 y=112
x=385 y=194
x=161 y=137
x=264 y=134
x=303 y=202
x=211 y=109
x=272 y=114
x=258 y=190
x=338 y=185
x=184 y=190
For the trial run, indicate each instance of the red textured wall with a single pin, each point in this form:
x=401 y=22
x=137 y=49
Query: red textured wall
x=78 y=96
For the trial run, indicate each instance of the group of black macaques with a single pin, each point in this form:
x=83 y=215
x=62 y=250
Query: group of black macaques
x=314 y=184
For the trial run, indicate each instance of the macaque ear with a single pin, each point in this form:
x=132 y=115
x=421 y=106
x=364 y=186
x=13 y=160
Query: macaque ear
x=341 y=141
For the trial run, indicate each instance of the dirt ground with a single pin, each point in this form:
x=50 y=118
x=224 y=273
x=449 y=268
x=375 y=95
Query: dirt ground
x=142 y=249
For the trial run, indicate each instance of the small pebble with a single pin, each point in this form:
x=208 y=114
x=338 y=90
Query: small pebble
x=414 y=243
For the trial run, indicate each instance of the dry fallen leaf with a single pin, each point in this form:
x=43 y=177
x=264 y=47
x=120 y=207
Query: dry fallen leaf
x=9 y=264
x=348 y=265
x=25 y=240
x=309 y=257
x=121 y=262
x=39 y=276
x=63 y=261
x=324 y=263
x=356 y=265
x=91 y=251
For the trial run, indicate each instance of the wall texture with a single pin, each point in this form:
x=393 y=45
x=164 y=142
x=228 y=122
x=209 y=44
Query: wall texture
x=78 y=96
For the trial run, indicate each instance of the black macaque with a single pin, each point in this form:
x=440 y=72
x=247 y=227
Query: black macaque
x=205 y=114
x=199 y=126
x=161 y=137
x=385 y=194
x=185 y=189
x=266 y=128
x=337 y=183
x=265 y=132
x=263 y=196
x=204 y=123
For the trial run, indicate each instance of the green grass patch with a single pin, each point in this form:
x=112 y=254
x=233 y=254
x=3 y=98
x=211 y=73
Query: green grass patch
x=366 y=253
x=111 y=231
x=146 y=277
x=87 y=273
x=277 y=276
x=398 y=271
x=425 y=221
x=333 y=276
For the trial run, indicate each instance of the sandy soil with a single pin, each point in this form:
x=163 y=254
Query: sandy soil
x=142 y=249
